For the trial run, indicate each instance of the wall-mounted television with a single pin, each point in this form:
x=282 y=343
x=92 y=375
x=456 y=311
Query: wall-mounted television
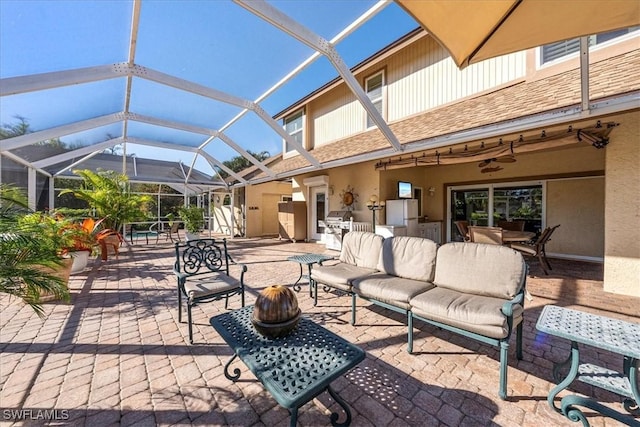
x=405 y=190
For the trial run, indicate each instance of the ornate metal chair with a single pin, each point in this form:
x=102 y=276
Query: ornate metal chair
x=202 y=270
x=537 y=249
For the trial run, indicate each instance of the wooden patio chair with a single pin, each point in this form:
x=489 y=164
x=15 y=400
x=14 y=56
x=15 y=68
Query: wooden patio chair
x=537 y=248
x=512 y=225
x=489 y=235
x=171 y=234
x=463 y=229
x=203 y=274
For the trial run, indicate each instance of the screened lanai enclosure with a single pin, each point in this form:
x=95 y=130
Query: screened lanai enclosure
x=167 y=92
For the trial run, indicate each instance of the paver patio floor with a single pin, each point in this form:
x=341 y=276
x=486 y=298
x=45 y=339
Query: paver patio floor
x=116 y=355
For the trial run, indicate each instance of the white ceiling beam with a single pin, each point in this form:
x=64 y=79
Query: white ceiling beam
x=74 y=164
x=77 y=153
x=280 y=20
x=374 y=10
x=26 y=163
x=171 y=124
x=160 y=144
x=225 y=138
x=57 y=132
x=43 y=81
x=195 y=150
x=279 y=129
x=215 y=162
x=217 y=95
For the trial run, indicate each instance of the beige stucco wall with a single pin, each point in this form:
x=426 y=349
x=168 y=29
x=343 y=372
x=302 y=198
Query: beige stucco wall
x=262 y=208
x=578 y=206
x=622 y=209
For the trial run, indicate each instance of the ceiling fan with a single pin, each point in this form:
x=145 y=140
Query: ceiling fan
x=505 y=159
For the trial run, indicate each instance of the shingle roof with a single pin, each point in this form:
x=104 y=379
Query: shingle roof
x=611 y=77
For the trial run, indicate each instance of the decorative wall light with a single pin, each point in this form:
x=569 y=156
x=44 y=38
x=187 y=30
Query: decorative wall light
x=374 y=205
x=432 y=191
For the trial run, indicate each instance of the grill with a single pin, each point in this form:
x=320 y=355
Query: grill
x=336 y=225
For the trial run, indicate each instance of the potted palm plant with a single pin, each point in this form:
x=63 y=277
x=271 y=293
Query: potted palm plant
x=109 y=197
x=193 y=219
x=30 y=259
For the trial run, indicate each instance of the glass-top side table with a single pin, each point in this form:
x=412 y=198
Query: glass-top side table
x=308 y=260
x=616 y=336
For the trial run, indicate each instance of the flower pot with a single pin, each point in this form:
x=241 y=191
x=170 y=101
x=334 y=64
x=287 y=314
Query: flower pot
x=80 y=261
x=63 y=271
x=191 y=236
x=276 y=312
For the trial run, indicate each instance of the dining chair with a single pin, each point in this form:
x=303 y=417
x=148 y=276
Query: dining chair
x=463 y=229
x=512 y=225
x=489 y=235
x=537 y=248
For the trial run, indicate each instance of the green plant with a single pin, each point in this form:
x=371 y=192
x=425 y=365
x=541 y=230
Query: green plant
x=108 y=193
x=26 y=253
x=193 y=218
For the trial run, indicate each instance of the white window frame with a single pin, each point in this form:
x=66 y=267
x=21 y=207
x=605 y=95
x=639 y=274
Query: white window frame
x=593 y=46
x=381 y=98
x=291 y=117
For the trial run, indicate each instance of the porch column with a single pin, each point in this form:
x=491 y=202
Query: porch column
x=622 y=209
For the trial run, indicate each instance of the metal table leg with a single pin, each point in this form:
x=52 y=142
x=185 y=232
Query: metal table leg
x=296 y=285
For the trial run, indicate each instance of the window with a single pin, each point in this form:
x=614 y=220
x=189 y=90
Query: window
x=506 y=202
x=554 y=51
x=294 y=126
x=373 y=87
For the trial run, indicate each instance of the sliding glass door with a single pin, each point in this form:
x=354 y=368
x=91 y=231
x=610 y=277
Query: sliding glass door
x=485 y=205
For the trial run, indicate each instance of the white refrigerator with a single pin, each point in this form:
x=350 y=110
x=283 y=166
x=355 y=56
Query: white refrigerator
x=403 y=212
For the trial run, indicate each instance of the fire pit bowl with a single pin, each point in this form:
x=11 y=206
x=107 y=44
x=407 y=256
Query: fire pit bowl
x=276 y=312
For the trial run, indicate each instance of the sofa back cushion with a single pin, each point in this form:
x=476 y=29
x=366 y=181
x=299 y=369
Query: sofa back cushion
x=409 y=257
x=361 y=248
x=480 y=269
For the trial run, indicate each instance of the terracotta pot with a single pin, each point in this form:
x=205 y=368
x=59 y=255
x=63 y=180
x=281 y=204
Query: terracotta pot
x=276 y=311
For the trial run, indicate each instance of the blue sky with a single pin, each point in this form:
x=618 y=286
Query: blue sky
x=214 y=43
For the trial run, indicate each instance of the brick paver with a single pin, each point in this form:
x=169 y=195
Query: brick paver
x=116 y=355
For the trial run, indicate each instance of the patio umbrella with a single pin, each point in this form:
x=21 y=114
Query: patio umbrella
x=473 y=31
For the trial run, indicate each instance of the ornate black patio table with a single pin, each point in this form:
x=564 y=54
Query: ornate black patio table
x=614 y=335
x=308 y=260
x=295 y=368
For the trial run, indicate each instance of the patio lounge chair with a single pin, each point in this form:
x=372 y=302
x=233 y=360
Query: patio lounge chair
x=537 y=249
x=202 y=270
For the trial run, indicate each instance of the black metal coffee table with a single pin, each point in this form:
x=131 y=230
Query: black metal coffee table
x=295 y=368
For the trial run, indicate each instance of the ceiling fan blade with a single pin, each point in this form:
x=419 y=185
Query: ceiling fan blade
x=485 y=163
x=508 y=159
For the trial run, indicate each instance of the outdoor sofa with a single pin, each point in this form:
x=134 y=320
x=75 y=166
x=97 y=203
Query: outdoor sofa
x=473 y=289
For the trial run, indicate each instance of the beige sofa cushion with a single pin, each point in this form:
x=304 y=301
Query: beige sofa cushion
x=361 y=248
x=408 y=257
x=339 y=275
x=396 y=291
x=480 y=269
x=474 y=313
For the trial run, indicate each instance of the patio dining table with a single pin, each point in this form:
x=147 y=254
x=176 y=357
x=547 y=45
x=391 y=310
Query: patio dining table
x=510 y=236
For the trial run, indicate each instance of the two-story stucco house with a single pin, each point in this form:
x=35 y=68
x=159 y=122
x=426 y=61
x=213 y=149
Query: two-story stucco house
x=507 y=138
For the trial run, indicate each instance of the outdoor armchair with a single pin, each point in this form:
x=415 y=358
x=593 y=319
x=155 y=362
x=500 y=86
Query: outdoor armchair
x=537 y=248
x=203 y=275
